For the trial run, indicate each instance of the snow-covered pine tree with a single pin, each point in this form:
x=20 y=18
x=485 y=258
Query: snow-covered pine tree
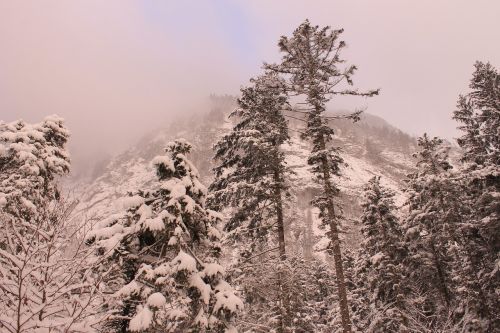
x=251 y=171
x=32 y=157
x=251 y=178
x=164 y=251
x=379 y=273
x=310 y=63
x=435 y=213
x=44 y=282
x=478 y=113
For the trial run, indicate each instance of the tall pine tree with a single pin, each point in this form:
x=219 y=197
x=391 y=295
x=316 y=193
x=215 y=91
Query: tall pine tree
x=310 y=63
x=478 y=113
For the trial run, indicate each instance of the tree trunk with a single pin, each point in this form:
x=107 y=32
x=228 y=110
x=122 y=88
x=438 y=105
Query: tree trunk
x=283 y=291
x=441 y=277
x=337 y=253
x=279 y=215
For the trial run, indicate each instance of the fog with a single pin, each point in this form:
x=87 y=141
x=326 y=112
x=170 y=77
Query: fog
x=118 y=69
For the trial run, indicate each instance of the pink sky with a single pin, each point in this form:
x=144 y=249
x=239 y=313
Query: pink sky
x=116 y=69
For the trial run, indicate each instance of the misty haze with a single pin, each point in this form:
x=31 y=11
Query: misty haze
x=249 y=166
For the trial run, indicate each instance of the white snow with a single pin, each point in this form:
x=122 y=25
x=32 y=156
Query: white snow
x=196 y=281
x=106 y=232
x=132 y=202
x=178 y=190
x=376 y=258
x=184 y=261
x=172 y=241
x=227 y=300
x=201 y=318
x=145 y=212
x=212 y=269
x=129 y=289
x=175 y=314
x=3 y=200
x=157 y=300
x=28 y=204
x=155 y=224
x=142 y=320
x=165 y=161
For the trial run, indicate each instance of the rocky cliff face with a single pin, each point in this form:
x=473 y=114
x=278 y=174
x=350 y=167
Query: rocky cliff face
x=369 y=147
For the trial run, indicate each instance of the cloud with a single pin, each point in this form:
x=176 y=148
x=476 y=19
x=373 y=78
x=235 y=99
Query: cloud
x=111 y=68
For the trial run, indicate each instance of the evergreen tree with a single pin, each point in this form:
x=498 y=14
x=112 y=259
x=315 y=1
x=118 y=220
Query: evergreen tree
x=32 y=157
x=164 y=251
x=435 y=213
x=379 y=272
x=251 y=175
x=310 y=62
x=251 y=179
x=479 y=116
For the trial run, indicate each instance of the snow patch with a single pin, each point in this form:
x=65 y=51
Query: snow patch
x=184 y=261
x=157 y=300
x=142 y=320
x=132 y=202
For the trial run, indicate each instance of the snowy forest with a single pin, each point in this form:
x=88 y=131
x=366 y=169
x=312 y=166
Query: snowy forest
x=271 y=212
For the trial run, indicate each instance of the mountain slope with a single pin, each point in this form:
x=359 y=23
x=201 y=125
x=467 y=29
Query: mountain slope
x=369 y=147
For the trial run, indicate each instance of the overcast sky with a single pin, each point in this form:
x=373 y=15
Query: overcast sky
x=116 y=69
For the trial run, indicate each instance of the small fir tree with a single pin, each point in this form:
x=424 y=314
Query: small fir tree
x=164 y=250
x=379 y=272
